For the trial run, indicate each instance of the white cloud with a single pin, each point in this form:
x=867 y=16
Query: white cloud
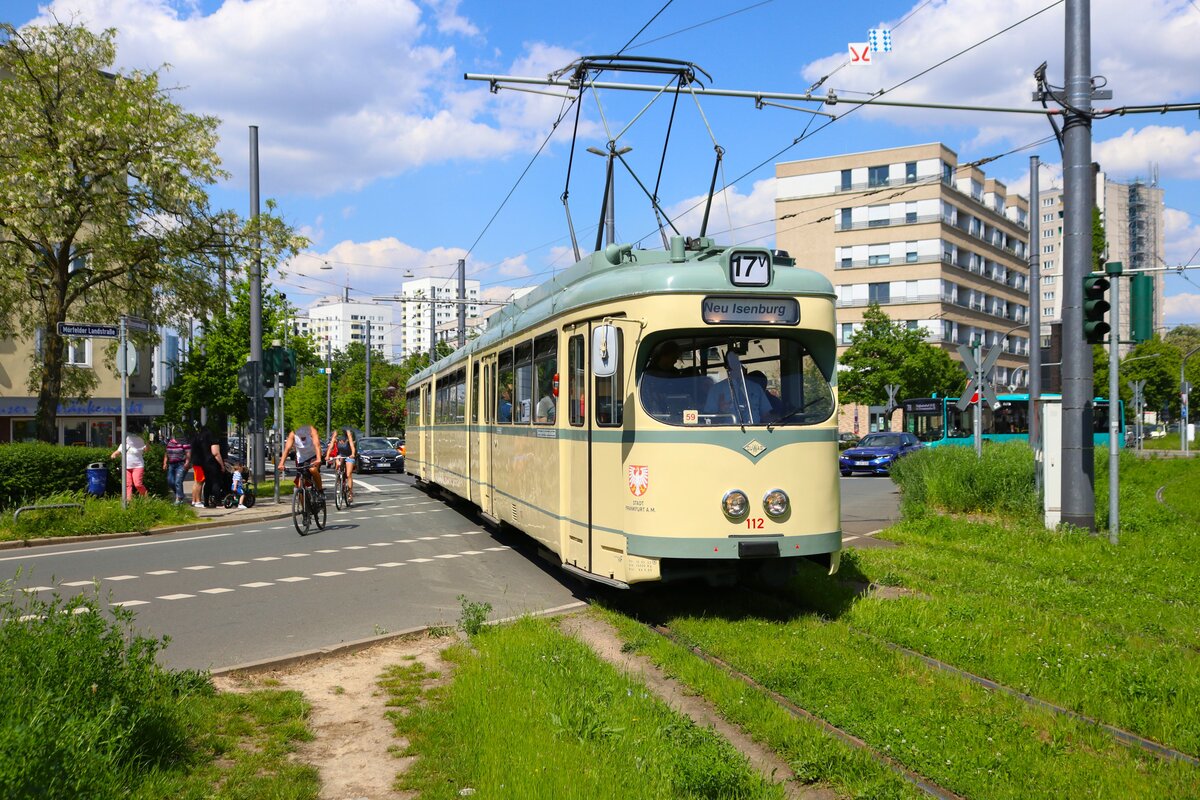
x=343 y=93
x=1181 y=235
x=1182 y=309
x=376 y=267
x=735 y=218
x=1175 y=150
x=1147 y=50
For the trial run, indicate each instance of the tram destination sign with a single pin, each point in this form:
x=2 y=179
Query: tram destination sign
x=750 y=311
x=88 y=330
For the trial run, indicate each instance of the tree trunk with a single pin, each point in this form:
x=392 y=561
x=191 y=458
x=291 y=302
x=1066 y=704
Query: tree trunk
x=52 y=361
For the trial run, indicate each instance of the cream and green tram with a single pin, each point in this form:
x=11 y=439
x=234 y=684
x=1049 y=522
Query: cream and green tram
x=648 y=416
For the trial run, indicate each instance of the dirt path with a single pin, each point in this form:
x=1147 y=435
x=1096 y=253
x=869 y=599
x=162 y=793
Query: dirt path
x=353 y=741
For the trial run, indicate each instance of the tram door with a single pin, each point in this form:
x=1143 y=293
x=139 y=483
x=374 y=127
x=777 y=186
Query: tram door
x=577 y=547
x=485 y=406
x=426 y=421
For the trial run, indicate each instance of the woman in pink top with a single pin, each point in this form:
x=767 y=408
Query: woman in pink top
x=135 y=464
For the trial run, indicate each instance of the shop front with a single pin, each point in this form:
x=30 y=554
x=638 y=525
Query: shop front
x=95 y=422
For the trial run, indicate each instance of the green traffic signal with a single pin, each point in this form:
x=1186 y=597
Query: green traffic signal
x=1095 y=306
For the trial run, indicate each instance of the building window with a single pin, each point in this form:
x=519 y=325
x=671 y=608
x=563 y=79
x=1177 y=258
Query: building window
x=1048 y=201
x=947 y=174
x=879 y=293
x=1048 y=280
x=847 y=332
x=910 y=172
x=877 y=176
x=1048 y=311
x=1048 y=264
x=847 y=182
x=910 y=255
x=1047 y=295
x=78 y=352
x=1047 y=248
x=847 y=262
x=847 y=220
x=1048 y=217
x=879 y=260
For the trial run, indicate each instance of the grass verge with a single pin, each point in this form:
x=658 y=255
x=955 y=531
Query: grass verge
x=85 y=711
x=103 y=515
x=532 y=713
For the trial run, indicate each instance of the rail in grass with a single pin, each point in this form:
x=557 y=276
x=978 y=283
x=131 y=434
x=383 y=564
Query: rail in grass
x=649 y=415
x=937 y=421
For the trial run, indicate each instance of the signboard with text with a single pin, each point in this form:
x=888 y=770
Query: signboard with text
x=750 y=310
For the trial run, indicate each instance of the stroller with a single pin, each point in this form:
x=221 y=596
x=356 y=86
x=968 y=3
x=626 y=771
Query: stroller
x=219 y=492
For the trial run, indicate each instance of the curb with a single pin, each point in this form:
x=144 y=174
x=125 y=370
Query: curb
x=210 y=522
x=346 y=648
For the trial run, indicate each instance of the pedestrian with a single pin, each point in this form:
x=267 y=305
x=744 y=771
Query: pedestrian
x=238 y=487
x=135 y=464
x=176 y=460
x=207 y=465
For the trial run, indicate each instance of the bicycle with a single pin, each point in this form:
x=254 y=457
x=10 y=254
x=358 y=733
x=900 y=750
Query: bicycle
x=343 y=495
x=307 y=507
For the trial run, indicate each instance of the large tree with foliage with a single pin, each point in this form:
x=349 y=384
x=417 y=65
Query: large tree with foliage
x=883 y=352
x=103 y=202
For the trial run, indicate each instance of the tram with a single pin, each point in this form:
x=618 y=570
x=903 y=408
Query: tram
x=937 y=421
x=649 y=416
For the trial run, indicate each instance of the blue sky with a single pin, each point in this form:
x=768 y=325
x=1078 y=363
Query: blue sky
x=376 y=148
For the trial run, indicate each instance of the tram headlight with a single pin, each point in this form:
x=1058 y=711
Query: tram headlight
x=735 y=504
x=775 y=503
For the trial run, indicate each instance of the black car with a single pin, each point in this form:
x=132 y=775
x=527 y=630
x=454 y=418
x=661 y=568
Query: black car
x=376 y=454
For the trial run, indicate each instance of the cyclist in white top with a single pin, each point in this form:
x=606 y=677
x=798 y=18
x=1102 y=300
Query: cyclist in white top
x=307 y=444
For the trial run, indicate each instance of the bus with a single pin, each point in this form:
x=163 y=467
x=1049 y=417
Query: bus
x=936 y=421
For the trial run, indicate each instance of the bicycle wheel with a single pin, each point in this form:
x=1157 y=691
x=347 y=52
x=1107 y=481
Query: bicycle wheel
x=318 y=509
x=339 y=492
x=300 y=511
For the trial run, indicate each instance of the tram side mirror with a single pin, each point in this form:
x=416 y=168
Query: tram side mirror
x=605 y=353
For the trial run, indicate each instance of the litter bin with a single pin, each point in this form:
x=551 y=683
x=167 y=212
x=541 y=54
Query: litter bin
x=97 y=479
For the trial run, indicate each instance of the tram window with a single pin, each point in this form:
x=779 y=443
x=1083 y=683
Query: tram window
x=687 y=381
x=504 y=388
x=475 y=394
x=545 y=373
x=523 y=400
x=441 y=403
x=610 y=392
x=576 y=380
x=458 y=401
x=412 y=407
x=489 y=395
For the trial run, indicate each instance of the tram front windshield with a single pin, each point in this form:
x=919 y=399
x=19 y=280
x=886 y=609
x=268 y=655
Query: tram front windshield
x=733 y=380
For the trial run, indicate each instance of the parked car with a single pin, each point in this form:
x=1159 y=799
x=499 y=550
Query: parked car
x=376 y=454
x=876 y=452
x=847 y=440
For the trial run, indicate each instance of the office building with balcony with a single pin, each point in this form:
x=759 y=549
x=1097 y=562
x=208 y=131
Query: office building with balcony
x=941 y=248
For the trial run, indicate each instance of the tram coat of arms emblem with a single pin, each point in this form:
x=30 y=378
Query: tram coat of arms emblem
x=639 y=480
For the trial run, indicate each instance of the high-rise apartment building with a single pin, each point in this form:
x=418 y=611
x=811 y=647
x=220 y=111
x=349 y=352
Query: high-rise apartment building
x=1132 y=214
x=939 y=247
x=340 y=321
x=415 y=319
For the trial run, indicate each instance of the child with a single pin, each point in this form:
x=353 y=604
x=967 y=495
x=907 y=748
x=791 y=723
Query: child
x=239 y=486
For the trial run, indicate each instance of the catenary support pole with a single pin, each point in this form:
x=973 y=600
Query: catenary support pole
x=1113 y=269
x=978 y=410
x=1078 y=468
x=462 y=302
x=257 y=440
x=367 y=420
x=1184 y=387
x=328 y=389
x=1035 y=321
x=123 y=356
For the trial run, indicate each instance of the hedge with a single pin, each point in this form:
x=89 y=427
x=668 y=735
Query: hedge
x=29 y=471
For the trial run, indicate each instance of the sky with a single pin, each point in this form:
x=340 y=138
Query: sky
x=379 y=152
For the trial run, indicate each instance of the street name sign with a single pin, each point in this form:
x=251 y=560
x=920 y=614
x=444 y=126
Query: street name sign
x=88 y=330
x=136 y=324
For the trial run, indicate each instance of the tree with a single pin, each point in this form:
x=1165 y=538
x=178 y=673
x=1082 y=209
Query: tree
x=883 y=352
x=1157 y=363
x=103 y=207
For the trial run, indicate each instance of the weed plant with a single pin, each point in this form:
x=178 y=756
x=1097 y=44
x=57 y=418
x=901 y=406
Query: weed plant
x=474 y=615
x=954 y=479
x=531 y=713
x=99 y=515
x=84 y=708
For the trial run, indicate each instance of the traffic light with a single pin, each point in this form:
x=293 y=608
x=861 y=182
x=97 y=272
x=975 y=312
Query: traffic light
x=1141 y=307
x=288 y=367
x=1095 y=306
x=272 y=364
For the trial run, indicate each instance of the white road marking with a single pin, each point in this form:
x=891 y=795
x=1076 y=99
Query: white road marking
x=230 y=564
x=293 y=579
x=257 y=584
x=39 y=589
x=121 y=578
x=28 y=556
x=163 y=572
x=267 y=558
x=368 y=486
x=278 y=528
x=198 y=567
x=326 y=551
x=391 y=564
x=295 y=555
x=404 y=541
x=175 y=596
x=447 y=555
x=218 y=590
x=419 y=560
x=127 y=603
x=361 y=569
x=450 y=535
x=354 y=547
x=427 y=538
x=472 y=552
x=381 y=544
x=253 y=530
x=329 y=574
x=495 y=549
x=79 y=583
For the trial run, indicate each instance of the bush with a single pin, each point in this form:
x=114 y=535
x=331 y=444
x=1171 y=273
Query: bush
x=1002 y=481
x=84 y=708
x=30 y=471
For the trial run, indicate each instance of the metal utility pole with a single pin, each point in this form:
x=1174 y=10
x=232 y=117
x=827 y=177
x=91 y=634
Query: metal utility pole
x=1035 y=320
x=462 y=302
x=432 y=323
x=1113 y=269
x=977 y=423
x=1078 y=473
x=257 y=465
x=278 y=406
x=123 y=355
x=367 y=421
x=1137 y=387
x=328 y=389
x=1184 y=388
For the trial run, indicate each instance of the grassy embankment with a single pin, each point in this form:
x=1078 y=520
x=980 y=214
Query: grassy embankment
x=85 y=711
x=98 y=515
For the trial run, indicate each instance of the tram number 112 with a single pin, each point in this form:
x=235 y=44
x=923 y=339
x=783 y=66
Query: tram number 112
x=755 y=523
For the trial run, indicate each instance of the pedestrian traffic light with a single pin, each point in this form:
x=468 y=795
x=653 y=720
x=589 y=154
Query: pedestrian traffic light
x=1095 y=306
x=272 y=364
x=1141 y=307
x=288 y=367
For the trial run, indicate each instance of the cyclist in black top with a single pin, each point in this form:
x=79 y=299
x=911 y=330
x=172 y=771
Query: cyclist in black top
x=344 y=451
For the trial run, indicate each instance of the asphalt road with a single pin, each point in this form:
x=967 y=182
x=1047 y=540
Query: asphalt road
x=399 y=559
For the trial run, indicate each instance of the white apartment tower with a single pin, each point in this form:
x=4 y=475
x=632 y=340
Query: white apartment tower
x=339 y=321
x=415 y=315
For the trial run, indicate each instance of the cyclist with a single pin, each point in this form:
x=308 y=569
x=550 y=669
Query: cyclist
x=307 y=443
x=343 y=452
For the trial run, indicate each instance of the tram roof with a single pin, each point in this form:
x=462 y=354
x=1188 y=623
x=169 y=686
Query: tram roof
x=595 y=280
